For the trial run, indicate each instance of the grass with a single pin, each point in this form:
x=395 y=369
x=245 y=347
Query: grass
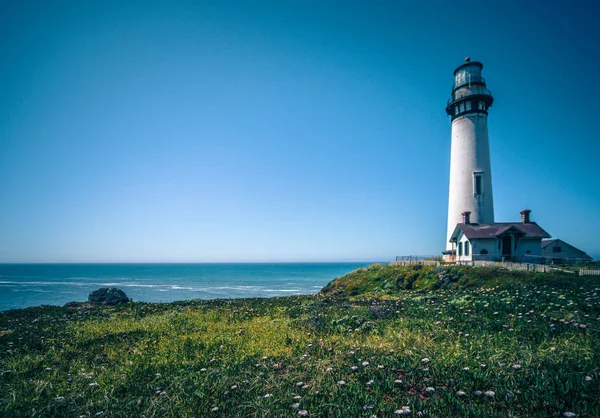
x=373 y=342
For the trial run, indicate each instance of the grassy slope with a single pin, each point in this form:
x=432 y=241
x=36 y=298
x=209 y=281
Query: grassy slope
x=365 y=329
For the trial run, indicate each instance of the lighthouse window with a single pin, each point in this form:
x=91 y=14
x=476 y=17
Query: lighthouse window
x=468 y=105
x=462 y=106
x=480 y=105
x=477 y=184
x=456 y=110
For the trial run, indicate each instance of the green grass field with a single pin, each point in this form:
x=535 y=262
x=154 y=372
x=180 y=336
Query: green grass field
x=378 y=342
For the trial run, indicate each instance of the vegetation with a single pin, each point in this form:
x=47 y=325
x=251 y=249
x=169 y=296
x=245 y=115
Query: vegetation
x=378 y=342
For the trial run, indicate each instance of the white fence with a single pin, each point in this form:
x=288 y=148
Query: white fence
x=410 y=260
x=583 y=272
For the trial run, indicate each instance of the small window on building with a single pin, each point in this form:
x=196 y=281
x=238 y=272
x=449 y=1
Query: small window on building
x=467 y=247
x=468 y=105
x=460 y=252
x=556 y=249
x=477 y=184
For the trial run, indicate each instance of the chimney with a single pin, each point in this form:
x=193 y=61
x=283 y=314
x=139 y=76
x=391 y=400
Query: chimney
x=525 y=216
x=466 y=217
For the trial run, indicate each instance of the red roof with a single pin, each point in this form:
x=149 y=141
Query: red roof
x=529 y=230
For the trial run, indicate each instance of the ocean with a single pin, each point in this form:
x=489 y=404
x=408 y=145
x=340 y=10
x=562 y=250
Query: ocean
x=25 y=285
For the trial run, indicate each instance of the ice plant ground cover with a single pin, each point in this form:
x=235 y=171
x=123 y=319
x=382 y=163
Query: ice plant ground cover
x=382 y=341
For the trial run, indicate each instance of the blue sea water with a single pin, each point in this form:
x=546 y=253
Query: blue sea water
x=25 y=285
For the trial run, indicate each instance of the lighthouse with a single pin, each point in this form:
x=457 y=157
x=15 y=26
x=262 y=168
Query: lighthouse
x=470 y=168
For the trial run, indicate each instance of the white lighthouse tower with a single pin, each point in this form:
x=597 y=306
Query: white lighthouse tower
x=470 y=170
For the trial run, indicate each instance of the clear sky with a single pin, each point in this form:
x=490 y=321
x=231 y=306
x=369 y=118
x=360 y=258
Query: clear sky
x=283 y=130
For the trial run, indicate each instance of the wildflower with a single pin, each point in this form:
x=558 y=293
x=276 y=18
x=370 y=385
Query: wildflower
x=203 y=369
x=297 y=397
x=516 y=366
x=295 y=405
x=268 y=395
x=465 y=369
x=341 y=383
x=215 y=409
x=404 y=411
x=424 y=360
x=303 y=413
x=552 y=348
x=370 y=382
x=429 y=389
x=460 y=393
x=478 y=393
x=300 y=384
x=354 y=368
x=588 y=378
x=397 y=381
x=329 y=369
x=94 y=384
x=59 y=398
x=233 y=387
x=305 y=387
x=365 y=363
x=569 y=414
x=490 y=394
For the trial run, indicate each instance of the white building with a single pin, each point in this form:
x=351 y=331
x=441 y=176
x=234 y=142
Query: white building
x=559 y=252
x=470 y=169
x=496 y=241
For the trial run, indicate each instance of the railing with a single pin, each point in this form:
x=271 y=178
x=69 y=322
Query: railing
x=410 y=260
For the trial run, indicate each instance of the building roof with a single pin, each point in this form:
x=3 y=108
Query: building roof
x=547 y=242
x=528 y=230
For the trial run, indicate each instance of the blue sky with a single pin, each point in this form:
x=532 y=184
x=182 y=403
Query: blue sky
x=283 y=130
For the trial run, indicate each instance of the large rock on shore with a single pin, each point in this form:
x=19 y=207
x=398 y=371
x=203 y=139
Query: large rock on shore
x=107 y=296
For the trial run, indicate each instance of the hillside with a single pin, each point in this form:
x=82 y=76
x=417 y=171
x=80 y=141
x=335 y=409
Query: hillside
x=378 y=342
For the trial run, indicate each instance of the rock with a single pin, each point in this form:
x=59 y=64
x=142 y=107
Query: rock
x=107 y=296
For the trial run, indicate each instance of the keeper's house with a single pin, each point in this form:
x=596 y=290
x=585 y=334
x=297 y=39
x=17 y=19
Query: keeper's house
x=497 y=241
x=559 y=252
